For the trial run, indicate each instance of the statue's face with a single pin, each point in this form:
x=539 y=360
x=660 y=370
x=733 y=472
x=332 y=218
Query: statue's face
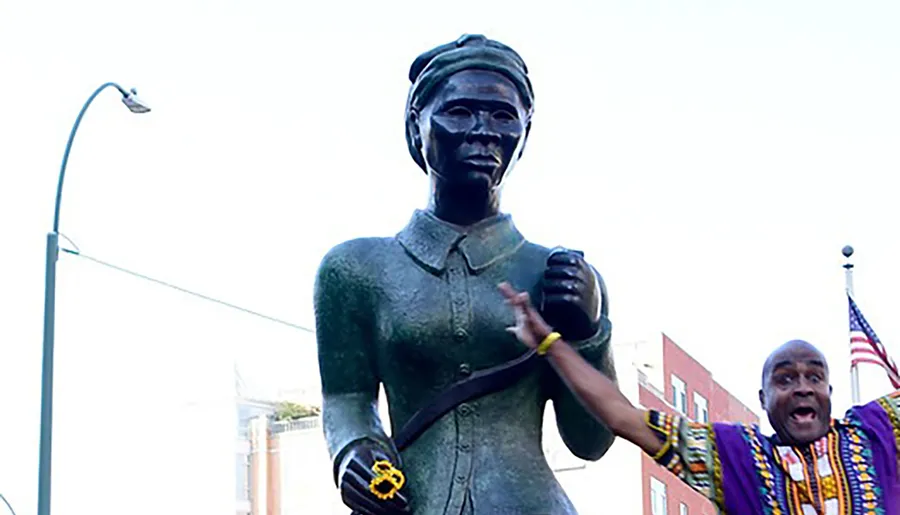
x=473 y=130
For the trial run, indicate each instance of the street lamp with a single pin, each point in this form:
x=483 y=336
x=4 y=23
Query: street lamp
x=129 y=98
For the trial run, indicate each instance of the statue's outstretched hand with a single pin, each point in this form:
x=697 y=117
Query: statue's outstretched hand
x=370 y=481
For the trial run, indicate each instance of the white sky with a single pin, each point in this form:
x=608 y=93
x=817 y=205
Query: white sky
x=711 y=158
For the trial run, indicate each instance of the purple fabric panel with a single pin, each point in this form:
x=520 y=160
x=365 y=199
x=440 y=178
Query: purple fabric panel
x=877 y=425
x=740 y=482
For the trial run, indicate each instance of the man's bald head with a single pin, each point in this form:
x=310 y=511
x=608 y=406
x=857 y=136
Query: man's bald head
x=796 y=393
x=786 y=353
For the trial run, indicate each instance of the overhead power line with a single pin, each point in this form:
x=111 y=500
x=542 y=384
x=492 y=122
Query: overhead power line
x=185 y=290
x=8 y=505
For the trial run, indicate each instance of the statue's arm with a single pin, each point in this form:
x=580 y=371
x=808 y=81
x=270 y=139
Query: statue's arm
x=584 y=435
x=344 y=319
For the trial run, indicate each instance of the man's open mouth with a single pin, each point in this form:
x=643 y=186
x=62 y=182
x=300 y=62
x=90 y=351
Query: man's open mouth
x=804 y=414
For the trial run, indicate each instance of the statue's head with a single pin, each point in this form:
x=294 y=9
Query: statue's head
x=469 y=112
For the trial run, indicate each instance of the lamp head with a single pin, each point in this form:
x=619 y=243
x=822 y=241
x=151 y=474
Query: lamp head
x=133 y=103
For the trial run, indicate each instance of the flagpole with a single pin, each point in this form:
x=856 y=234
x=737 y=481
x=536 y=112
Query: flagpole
x=847 y=251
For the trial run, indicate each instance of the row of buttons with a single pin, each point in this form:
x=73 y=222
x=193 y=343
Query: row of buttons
x=460 y=320
x=464 y=410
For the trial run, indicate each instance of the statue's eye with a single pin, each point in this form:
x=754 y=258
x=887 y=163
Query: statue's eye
x=458 y=111
x=505 y=116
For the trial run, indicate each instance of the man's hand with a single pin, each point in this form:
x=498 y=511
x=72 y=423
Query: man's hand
x=362 y=465
x=530 y=328
x=571 y=298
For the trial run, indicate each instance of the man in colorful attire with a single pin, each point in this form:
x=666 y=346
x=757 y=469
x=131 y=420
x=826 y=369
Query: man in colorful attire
x=852 y=469
x=813 y=465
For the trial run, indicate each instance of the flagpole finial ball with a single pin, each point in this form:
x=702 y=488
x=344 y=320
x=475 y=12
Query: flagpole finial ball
x=847 y=251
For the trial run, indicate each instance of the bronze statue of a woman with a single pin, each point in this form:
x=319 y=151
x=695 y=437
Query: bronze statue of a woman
x=420 y=312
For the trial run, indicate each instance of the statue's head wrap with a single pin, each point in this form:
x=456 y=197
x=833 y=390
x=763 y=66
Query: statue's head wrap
x=469 y=52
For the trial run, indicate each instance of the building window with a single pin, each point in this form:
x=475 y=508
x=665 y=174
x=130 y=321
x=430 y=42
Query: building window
x=682 y=509
x=701 y=409
x=679 y=394
x=657 y=497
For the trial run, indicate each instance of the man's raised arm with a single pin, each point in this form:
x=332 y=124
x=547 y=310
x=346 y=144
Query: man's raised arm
x=680 y=446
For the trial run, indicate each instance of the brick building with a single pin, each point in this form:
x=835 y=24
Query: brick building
x=290 y=473
x=688 y=389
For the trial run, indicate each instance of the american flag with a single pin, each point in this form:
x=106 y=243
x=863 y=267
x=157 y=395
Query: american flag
x=865 y=347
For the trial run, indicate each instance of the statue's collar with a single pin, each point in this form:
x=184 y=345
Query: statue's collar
x=429 y=241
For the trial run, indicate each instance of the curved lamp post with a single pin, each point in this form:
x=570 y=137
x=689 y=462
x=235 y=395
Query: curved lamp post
x=129 y=98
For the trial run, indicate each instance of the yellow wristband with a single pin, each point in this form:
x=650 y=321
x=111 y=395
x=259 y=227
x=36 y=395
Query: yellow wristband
x=548 y=341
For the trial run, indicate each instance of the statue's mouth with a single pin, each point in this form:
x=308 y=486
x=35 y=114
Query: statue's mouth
x=482 y=161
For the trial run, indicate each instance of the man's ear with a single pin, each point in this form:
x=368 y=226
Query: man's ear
x=762 y=399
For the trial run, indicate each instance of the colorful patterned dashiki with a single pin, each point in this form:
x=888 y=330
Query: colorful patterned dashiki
x=851 y=470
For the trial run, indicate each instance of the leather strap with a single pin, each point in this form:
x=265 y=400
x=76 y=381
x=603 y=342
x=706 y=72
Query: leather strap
x=479 y=384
